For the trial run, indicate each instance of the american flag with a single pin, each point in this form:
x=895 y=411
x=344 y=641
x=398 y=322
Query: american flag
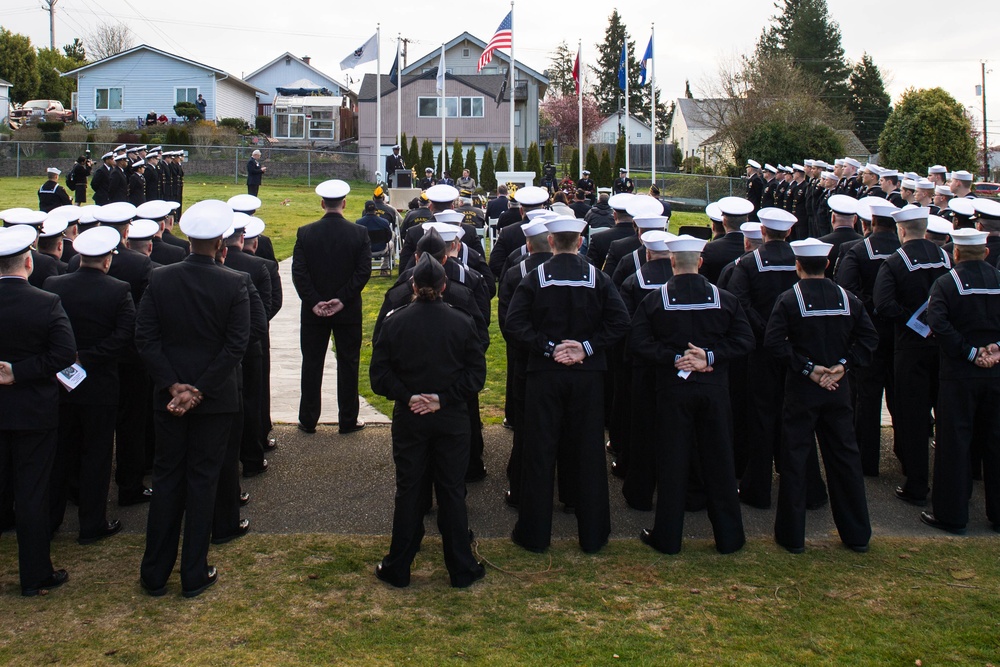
x=501 y=40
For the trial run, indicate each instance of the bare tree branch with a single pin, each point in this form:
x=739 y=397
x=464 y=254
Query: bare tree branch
x=109 y=39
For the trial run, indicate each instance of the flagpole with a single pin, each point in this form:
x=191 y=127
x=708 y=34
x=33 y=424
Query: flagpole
x=399 y=94
x=625 y=46
x=652 y=105
x=510 y=155
x=444 y=109
x=579 y=103
x=378 y=96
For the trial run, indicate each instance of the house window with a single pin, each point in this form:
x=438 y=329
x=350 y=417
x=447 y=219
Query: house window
x=427 y=107
x=108 y=99
x=185 y=95
x=472 y=107
x=638 y=135
x=457 y=107
x=465 y=53
x=434 y=69
x=517 y=118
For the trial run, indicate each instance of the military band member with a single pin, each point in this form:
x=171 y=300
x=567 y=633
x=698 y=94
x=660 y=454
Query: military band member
x=817 y=331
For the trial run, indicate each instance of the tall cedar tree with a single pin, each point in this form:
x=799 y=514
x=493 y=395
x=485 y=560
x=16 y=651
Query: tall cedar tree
x=619 y=155
x=574 y=165
x=604 y=177
x=804 y=32
x=443 y=164
x=560 y=71
x=927 y=127
x=413 y=156
x=51 y=85
x=870 y=104
x=426 y=157
x=534 y=162
x=502 y=163
x=549 y=155
x=456 y=165
x=19 y=65
x=470 y=164
x=592 y=163
x=487 y=174
x=518 y=159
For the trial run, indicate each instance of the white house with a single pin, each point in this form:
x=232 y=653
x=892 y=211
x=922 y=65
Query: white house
x=128 y=85
x=288 y=71
x=691 y=129
x=607 y=132
x=5 y=87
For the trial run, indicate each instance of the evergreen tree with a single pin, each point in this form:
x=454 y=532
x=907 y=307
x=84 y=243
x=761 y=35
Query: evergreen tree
x=592 y=163
x=426 y=157
x=455 y=166
x=787 y=142
x=804 y=32
x=603 y=175
x=610 y=98
x=487 y=175
x=927 y=127
x=870 y=104
x=619 y=155
x=443 y=164
x=534 y=163
x=51 y=85
x=470 y=163
x=574 y=165
x=404 y=151
x=413 y=156
x=560 y=72
x=502 y=163
x=518 y=159
x=550 y=152
x=19 y=65
x=75 y=51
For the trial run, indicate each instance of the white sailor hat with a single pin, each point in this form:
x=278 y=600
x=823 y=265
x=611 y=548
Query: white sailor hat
x=873 y=169
x=910 y=213
x=811 y=248
x=447 y=231
x=97 y=241
x=15 y=240
x=88 y=214
x=23 y=216
x=154 y=209
x=889 y=173
x=735 y=206
x=943 y=190
x=120 y=148
x=246 y=203
x=810 y=163
x=53 y=170
x=240 y=220
x=777 y=219
x=987 y=208
x=656 y=240
x=529 y=196
x=924 y=184
x=962 y=175
x=428 y=170
x=141 y=229
x=686 y=243
x=207 y=219
x=138 y=163
x=107 y=155
x=116 y=213
x=120 y=156
x=843 y=204
x=968 y=237
x=254 y=228
x=564 y=223
x=938 y=225
x=620 y=201
x=645 y=206
x=962 y=206
x=824 y=164
x=535 y=226
x=751 y=230
x=852 y=162
x=332 y=189
x=650 y=221
x=69 y=213
x=937 y=169
x=536 y=213
x=881 y=207
x=586 y=172
x=798 y=167
x=450 y=216
x=787 y=170
x=753 y=163
x=912 y=175
x=771 y=168
x=908 y=184
x=839 y=162
x=828 y=175
x=713 y=212
x=53 y=227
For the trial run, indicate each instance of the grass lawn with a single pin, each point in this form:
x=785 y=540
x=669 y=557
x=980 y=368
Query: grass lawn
x=310 y=599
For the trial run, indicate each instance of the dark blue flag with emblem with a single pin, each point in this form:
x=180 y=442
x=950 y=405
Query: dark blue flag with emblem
x=622 y=71
x=394 y=71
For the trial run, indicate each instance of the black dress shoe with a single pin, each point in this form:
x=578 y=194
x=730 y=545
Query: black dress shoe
x=382 y=575
x=475 y=476
x=617 y=470
x=609 y=448
x=271 y=444
x=934 y=522
x=509 y=499
x=54 y=580
x=858 y=548
x=242 y=528
x=358 y=425
x=110 y=528
x=506 y=424
x=134 y=498
x=791 y=550
x=646 y=537
x=244 y=499
x=213 y=576
x=908 y=498
x=306 y=429
x=514 y=538
x=254 y=471
x=150 y=591
x=476 y=576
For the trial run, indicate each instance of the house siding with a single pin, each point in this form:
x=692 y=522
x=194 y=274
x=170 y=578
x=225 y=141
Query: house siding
x=234 y=101
x=280 y=74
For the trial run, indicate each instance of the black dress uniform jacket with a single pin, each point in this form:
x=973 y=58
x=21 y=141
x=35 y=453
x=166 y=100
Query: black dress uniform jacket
x=838 y=237
x=767 y=197
x=600 y=243
x=99 y=184
x=720 y=252
x=137 y=188
x=332 y=260
x=164 y=253
x=628 y=265
x=117 y=185
x=470 y=240
x=52 y=195
x=755 y=193
x=45 y=267
x=619 y=250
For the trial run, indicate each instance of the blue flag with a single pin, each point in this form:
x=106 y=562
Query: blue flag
x=645 y=58
x=622 y=67
x=394 y=71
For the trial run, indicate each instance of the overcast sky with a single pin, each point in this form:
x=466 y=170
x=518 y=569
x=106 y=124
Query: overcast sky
x=921 y=43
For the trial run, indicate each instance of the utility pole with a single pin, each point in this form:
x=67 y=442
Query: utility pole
x=406 y=43
x=986 y=143
x=52 y=22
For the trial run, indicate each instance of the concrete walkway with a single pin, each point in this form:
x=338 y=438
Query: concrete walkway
x=286 y=364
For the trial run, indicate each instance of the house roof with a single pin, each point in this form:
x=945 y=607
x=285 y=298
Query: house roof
x=695 y=112
x=4 y=82
x=288 y=54
x=503 y=57
x=146 y=47
x=632 y=119
x=853 y=146
x=487 y=84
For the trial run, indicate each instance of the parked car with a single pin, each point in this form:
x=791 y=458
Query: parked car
x=991 y=190
x=33 y=110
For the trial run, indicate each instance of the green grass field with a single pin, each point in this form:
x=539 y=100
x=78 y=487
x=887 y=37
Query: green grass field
x=287 y=204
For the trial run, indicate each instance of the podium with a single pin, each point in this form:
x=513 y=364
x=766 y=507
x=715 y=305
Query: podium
x=402 y=178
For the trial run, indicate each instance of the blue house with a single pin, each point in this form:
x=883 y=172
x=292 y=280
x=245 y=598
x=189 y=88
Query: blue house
x=126 y=86
x=290 y=71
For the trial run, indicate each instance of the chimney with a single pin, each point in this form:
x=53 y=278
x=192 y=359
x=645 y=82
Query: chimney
x=306 y=59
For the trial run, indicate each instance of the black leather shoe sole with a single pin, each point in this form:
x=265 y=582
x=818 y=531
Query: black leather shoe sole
x=242 y=529
x=112 y=528
x=381 y=575
x=244 y=499
x=479 y=574
x=932 y=521
x=907 y=498
x=213 y=576
x=54 y=580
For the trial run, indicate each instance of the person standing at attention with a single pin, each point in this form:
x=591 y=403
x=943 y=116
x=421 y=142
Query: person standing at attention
x=255 y=173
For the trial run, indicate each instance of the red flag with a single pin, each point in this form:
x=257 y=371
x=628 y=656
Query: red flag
x=576 y=71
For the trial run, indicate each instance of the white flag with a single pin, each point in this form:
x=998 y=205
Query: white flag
x=440 y=73
x=365 y=53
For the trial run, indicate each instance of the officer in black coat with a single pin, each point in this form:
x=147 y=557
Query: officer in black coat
x=331 y=265
x=511 y=237
x=567 y=313
x=36 y=342
x=428 y=359
x=102 y=315
x=586 y=183
x=649 y=210
x=683 y=330
x=392 y=163
x=137 y=184
x=52 y=195
x=724 y=250
x=195 y=396
x=101 y=179
x=168 y=237
x=77 y=179
x=901 y=289
x=151 y=175
x=755 y=187
x=795 y=202
x=844 y=217
x=255 y=173
x=428 y=181
x=964 y=313
x=817 y=331
x=770 y=186
x=623 y=183
x=118 y=180
x=43 y=266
